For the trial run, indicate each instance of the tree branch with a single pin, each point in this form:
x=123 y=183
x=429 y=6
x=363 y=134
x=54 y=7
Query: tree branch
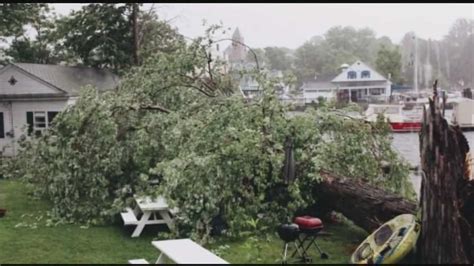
x=154 y=108
x=243 y=44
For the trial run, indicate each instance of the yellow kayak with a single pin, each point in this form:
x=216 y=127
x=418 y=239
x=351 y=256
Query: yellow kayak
x=390 y=243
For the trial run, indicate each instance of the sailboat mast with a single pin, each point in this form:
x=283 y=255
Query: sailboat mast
x=415 y=66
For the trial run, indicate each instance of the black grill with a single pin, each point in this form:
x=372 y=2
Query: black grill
x=302 y=238
x=288 y=232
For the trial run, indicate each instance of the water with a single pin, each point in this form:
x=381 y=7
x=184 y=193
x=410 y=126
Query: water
x=408 y=146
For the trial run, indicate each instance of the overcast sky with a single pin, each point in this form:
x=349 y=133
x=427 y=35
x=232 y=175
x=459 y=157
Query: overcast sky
x=290 y=25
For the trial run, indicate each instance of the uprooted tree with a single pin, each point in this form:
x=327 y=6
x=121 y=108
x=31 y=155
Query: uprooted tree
x=447 y=191
x=213 y=154
x=367 y=205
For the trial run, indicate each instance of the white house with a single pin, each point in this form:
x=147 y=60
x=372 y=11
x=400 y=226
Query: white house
x=359 y=82
x=236 y=55
x=355 y=83
x=250 y=88
x=321 y=86
x=32 y=94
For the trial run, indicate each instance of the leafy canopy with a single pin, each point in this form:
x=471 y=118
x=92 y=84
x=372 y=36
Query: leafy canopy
x=174 y=121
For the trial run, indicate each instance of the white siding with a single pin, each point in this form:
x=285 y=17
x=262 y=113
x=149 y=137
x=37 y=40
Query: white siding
x=25 y=84
x=19 y=109
x=313 y=95
x=6 y=142
x=358 y=67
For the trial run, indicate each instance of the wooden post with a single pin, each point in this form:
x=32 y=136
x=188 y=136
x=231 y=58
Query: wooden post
x=447 y=191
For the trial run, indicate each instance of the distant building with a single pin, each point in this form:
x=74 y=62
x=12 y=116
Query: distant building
x=31 y=95
x=360 y=83
x=236 y=52
x=250 y=88
x=355 y=83
x=318 y=87
x=236 y=56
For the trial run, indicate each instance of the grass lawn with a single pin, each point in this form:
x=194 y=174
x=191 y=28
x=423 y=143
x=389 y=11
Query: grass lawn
x=25 y=238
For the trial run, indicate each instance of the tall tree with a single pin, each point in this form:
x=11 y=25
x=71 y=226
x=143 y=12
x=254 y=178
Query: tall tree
x=278 y=58
x=14 y=16
x=155 y=36
x=39 y=49
x=114 y=36
x=339 y=45
x=389 y=62
x=459 y=46
x=134 y=20
x=346 y=44
x=261 y=57
x=310 y=60
x=98 y=35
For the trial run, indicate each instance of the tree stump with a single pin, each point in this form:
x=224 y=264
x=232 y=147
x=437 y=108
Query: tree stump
x=447 y=191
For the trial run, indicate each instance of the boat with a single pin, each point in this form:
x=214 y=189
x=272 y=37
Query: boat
x=400 y=120
x=463 y=114
x=390 y=243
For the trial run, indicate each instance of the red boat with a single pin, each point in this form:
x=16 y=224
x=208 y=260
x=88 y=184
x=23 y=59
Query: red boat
x=405 y=126
x=399 y=120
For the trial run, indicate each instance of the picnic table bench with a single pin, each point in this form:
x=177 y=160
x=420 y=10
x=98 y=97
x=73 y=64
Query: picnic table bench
x=182 y=251
x=152 y=211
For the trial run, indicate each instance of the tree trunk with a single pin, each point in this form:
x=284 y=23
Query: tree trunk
x=447 y=191
x=135 y=33
x=366 y=205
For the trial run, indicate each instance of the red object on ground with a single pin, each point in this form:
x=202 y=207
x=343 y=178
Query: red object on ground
x=308 y=222
x=405 y=126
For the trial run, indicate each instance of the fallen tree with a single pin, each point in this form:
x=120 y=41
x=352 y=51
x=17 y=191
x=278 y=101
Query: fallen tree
x=447 y=191
x=368 y=206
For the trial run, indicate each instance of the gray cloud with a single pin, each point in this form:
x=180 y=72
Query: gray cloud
x=290 y=25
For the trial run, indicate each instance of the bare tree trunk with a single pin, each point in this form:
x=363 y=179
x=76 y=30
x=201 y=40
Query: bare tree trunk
x=447 y=192
x=366 y=205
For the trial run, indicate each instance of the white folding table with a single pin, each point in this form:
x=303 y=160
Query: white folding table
x=149 y=208
x=185 y=251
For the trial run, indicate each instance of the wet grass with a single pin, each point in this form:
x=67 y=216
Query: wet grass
x=25 y=238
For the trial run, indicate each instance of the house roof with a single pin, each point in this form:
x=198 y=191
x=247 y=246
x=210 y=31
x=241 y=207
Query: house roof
x=71 y=79
x=320 y=81
x=358 y=67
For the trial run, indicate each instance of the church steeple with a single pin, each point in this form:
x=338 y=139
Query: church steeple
x=236 y=52
x=236 y=36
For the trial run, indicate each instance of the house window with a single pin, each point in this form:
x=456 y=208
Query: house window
x=351 y=75
x=51 y=116
x=2 y=127
x=365 y=74
x=39 y=121
x=377 y=91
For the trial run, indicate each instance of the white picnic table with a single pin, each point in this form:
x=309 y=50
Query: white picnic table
x=185 y=251
x=153 y=210
x=182 y=251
